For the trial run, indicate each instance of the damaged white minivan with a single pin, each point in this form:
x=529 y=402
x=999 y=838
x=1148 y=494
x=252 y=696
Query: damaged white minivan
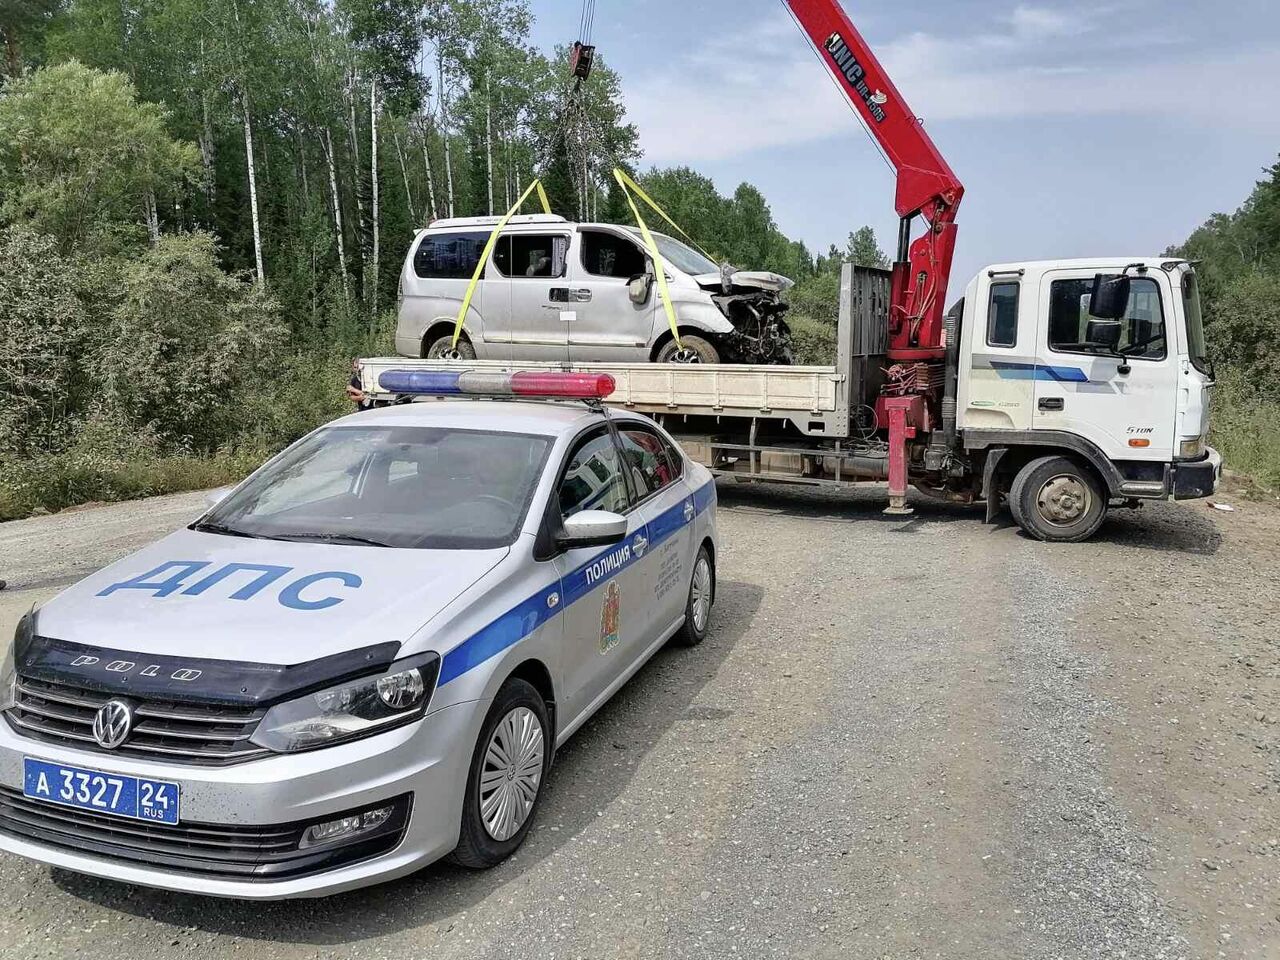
x=556 y=290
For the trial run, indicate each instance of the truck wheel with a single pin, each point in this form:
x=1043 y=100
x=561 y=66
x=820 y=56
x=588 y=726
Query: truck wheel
x=1058 y=500
x=695 y=350
x=697 y=606
x=508 y=770
x=442 y=349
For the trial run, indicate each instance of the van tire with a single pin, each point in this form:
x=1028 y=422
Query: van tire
x=442 y=349
x=696 y=350
x=1058 y=500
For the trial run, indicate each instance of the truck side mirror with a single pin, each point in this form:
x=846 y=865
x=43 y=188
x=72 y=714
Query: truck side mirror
x=638 y=288
x=1110 y=297
x=1103 y=333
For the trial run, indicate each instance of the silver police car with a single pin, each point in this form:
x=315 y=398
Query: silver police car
x=363 y=658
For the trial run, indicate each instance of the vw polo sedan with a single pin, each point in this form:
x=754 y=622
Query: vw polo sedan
x=360 y=660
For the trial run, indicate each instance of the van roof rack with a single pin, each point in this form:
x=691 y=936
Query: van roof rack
x=494 y=221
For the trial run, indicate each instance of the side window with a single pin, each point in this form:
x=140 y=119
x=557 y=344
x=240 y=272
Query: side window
x=1142 y=331
x=1002 y=315
x=534 y=255
x=594 y=479
x=451 y=256
x=608 y=255
x=651 y=462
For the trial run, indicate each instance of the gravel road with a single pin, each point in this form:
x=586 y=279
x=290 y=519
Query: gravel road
x=1049 y=752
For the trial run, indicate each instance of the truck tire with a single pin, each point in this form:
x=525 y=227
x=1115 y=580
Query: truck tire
x=1058 y=500
x=441 y=348
x=697 y=605
x=518 y=719
x=696 y=350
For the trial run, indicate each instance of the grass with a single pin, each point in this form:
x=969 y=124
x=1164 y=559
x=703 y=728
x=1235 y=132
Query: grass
x=1246 y=431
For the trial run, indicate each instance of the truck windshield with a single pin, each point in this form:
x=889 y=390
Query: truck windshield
x=1195 y=321
x=682 y=257
x=390 y=486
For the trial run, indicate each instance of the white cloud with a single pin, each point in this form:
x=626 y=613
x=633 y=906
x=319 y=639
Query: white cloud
x=762 y=87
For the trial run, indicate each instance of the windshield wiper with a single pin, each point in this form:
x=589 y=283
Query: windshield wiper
x=222 y=529
x=330 y=538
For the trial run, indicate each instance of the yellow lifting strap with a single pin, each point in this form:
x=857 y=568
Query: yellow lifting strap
x=488 y=252
x=628 y=184
x=658 y=268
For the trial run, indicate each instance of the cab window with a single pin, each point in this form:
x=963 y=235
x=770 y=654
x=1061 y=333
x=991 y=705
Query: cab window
x=534 y=255
x=1002 y=315
x=609 y=255
x=650 y=461
x=593 y=480
x=1142 y=331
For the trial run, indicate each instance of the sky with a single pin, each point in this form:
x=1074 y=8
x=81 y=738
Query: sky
x=1109 y=128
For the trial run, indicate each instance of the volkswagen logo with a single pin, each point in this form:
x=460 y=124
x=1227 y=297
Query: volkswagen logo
x=113 y=723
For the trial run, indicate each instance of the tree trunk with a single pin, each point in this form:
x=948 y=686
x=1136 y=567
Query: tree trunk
x=253 y=185
x=337 y=214
x=353 y=135
x=488 y=135
x=153 y=217
x=373 y=178
x=432 y=209
x=404 y=172
x=444 y=131
x=208 y=156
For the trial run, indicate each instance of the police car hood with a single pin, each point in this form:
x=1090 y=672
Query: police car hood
x=263 y=601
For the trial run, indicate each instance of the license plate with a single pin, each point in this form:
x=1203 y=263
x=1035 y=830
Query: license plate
x=113 y=793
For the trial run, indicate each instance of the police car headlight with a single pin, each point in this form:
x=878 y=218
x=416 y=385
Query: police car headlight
x=8 y=666
x=358 y=708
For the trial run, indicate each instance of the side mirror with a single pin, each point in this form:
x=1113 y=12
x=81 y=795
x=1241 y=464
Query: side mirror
x=1110 y=297
x=592 y=528
x=215 y=497
x=1103 y=333
x=638 y=288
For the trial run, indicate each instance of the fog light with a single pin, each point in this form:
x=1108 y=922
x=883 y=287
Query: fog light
x=345 y=828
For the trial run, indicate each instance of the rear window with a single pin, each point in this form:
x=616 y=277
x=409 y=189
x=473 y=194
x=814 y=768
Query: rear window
x=449 y=256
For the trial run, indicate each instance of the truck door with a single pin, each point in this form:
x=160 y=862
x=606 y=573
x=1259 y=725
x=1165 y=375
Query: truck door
x=606 y=607
x=523 y=296
x=606 y=324
x=1081 y=389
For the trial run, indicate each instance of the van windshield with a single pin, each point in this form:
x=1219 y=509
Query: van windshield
x=684 y=258
x=390 y=486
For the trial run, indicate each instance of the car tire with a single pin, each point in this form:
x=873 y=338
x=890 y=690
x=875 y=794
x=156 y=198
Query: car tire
x=695 y=350
x=1058 y=500
x=518 y=718
x=442 y=348
x=697 y=605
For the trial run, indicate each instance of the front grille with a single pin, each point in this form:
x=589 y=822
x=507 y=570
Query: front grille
x=234 y=852
x=163 y=730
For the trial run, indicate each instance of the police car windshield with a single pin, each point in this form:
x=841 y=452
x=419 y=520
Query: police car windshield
x=412 y=487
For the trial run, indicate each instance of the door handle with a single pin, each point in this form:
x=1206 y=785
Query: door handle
x=1052 y=403
x=582 y=295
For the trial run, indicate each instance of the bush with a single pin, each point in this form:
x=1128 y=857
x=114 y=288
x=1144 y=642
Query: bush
x=1246 y=430
x=813 y=342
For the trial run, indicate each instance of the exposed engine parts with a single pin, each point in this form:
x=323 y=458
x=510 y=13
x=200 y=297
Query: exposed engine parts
x=761 y=334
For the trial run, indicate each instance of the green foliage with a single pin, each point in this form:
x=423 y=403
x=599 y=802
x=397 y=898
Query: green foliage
x=1244 y=330
x=185 y=343
x=813 y=341
x=80 y=156
x=1246 y=430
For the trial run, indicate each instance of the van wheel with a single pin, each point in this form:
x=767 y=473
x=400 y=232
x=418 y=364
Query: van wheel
x=508 y=770
x=1058 y=500
x=694 y=350
x=442 y=349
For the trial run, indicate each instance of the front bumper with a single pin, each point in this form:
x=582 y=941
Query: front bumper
x=428 y=760
x=1197 y=478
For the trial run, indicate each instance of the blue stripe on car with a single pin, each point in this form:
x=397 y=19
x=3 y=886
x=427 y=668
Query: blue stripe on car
x=526 y=616
x=1007 y=370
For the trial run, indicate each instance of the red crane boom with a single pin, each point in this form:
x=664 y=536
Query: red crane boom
x=926 y=185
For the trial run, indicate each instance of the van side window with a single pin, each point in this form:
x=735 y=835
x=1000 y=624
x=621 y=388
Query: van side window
x=542 y=255
x=593 y=479
x=449 y=256
x=1002 y=315
x=608 y=255
x=1142 y=331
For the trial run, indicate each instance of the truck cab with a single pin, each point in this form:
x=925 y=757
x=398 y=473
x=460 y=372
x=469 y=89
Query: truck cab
x=1128 y=395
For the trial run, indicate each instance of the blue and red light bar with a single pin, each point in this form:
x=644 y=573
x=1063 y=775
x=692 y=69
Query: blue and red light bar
x=485 y=383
